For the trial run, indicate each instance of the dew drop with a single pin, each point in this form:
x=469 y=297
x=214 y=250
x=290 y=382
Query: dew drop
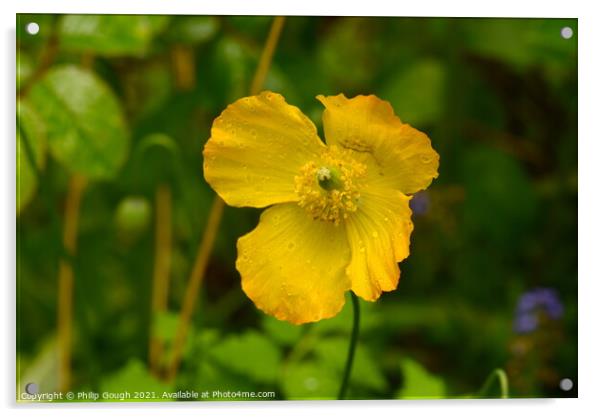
x=425 y=159
x=374 y=235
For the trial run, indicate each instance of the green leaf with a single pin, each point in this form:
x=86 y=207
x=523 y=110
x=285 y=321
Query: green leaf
x=110 y=35
x=31 y=129
x=310 y=380
x=165 y=325
x=134 y=377
x=332 y=353
x=417 y=93
x=212 y=378
x=42 y=369
x=347 y=53
x=250 y=354
x=522 y=42
x=280 y=331
x=419 y=383
x=319 y=376
x=86 y=127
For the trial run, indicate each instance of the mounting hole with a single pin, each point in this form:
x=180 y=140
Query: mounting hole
x=31 y=388
x=566 y=32
x=32 y=28
x=566 y=384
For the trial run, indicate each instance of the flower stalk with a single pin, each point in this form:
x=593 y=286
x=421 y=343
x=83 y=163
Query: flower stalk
x=352 y=345
x=161 y=271
x=77 y=185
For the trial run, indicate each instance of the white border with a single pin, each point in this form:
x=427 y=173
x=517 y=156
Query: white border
x=590 y=94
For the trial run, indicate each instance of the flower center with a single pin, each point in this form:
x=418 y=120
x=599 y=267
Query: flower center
x=328 y=188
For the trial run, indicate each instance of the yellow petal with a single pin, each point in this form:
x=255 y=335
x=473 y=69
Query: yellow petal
x=293 y=267
x=257 y=146
x=379 y=237
x=398 y=155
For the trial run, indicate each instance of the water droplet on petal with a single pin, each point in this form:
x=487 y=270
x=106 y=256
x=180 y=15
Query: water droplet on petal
x=362 y=247
x=425 y=159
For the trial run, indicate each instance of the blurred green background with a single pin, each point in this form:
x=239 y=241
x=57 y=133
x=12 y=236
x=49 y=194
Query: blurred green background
x=128 y=101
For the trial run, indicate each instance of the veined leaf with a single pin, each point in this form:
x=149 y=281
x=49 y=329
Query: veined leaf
x=85 y=125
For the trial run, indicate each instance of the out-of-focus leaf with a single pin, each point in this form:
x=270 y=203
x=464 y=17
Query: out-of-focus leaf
x=193 y=29
x=85 y=125
x=135 y=377
x=522 y=42
x=25 y=68
x=110 y=35
x=282 y=332
x=418 y=383
x=165 y=325
x=417 y=92
x=347 y=54
x=213 y=378
x=310 y=381
x=250 y=354
x=41 y=370
x=319 y=375
x=32 y=129
x=332 y=353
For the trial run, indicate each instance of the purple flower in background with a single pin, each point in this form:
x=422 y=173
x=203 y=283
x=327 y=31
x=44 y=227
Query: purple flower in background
x=533 y=303
x=420 y=203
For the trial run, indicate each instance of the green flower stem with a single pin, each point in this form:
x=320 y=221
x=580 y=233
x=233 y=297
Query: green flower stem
x=500 y=375
x=352 y=344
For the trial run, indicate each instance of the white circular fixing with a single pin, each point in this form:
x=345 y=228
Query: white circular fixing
x=566 y=384
x=566 y=32
x=32 y=28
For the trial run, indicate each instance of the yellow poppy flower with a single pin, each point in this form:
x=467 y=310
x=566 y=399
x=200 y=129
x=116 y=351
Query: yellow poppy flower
x=339 y=216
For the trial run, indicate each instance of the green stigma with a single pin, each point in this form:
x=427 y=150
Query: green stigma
x=329 y=178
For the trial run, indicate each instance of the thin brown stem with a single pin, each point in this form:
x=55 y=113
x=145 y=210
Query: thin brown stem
x=266 y=56
x=77 y=185
x=161 y=271
x=215 y=216
x=183 y=66
x=194 y=284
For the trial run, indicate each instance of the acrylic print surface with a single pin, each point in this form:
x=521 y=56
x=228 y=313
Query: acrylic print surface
x=257 y=208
